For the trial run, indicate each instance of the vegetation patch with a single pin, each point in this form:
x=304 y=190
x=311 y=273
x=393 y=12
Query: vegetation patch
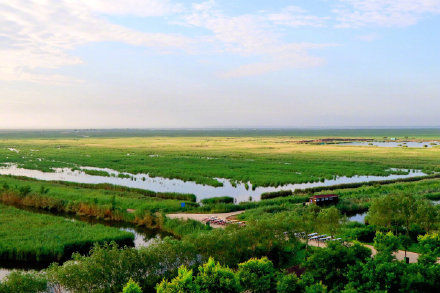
x=26 y=236
x=216 y=200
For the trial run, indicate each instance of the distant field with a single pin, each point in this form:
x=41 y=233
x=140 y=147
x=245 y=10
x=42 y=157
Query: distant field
x=240 y=132
x=263 y=161
x=26 y=236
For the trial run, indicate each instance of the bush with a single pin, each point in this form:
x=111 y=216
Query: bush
x=288 y=284
x=183 y=283
x=366 y=233
x=213 y=277
x=257 y=275
x=216 y=200
x=19 y=282
x=132 y=287
x=274 y=194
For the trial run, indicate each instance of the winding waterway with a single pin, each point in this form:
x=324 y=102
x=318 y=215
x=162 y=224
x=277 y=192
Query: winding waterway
x=240 y=192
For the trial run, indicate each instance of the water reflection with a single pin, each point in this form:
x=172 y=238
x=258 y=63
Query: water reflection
x=241 y=191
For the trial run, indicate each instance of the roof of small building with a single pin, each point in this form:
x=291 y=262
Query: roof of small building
x=324 y=195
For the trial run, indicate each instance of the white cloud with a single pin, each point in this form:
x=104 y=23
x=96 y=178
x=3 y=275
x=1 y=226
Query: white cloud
x=38 y=34
x=252 y=36
x=294 y=16
x=386 y=13
x=143 y=8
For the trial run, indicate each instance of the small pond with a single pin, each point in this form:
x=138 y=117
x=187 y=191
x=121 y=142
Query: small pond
x=394 y=144
x=360 y=218
x=241 y=192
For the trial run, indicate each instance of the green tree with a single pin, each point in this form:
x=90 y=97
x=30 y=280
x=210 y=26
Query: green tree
x=405 y=241
x=329 y=220
x=381 y=212
x=430 y=247
x=427 y=215
x=213 y=277
x=402 y=211
x=309 y=220
x=108 y=268
x=288 y=284
x=183 y=283
x=378 y=274
x=257 y=275
x=331 y=264
x=386 y=243
x=132 y=287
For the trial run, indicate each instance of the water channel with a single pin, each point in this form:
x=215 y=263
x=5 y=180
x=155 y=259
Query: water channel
x=240 y=192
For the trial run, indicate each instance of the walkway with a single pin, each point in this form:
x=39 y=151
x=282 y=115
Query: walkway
x=200 y=217
x=400 y=254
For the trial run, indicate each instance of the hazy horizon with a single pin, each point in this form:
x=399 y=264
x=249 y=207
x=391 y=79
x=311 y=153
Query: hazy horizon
x=219 y=64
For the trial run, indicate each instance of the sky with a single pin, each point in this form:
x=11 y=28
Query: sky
x=219 y=63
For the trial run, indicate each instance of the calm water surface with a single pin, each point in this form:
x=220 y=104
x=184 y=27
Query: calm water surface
x=159 y=184
x=394 y=144
x=360 y=218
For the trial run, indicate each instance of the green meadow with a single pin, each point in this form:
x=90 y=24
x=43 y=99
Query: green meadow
x=262 y=161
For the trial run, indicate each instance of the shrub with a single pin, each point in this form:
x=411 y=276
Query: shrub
x=216 y=200
x=257 y=275
x=183 y=283
x=19 y=282
x=132 y=287
x=288 y=284
x=213 y=277
x=274 y=194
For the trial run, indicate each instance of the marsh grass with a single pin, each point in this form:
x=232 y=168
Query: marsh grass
x=261 y=161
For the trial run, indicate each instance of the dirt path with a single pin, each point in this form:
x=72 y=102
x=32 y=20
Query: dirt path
x=200 y=217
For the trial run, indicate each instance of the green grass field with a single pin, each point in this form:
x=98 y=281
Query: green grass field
x=263 y=161
x=27 y=236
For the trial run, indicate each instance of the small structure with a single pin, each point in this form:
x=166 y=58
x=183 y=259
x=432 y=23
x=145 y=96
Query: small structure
x=323 y=199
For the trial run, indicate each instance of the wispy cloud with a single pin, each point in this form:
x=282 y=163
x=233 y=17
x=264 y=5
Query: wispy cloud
x=142 y=8
x=385 y=13
x=39 y=34
x=294 y=16
x=252 y=35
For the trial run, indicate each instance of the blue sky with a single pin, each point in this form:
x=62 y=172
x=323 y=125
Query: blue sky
x=158 y=63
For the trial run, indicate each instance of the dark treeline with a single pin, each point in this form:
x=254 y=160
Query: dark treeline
x=216 y=200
